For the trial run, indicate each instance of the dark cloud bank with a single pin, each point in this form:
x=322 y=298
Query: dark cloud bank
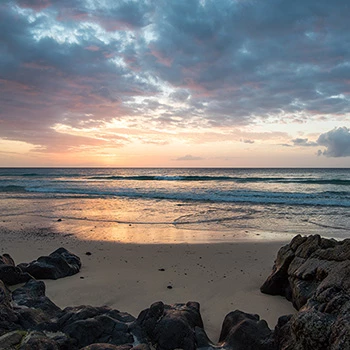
x=336 y=141
x=219 y=63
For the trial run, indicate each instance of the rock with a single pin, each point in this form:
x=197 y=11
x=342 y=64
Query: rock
x=5 y=296
x=60 y=263
x=104 y=346
x=314 y=273
x=277 y=283
x=33 y=307
x=142 y=346
x=32 y=295
x=88 y=325
x=202 y=340
x=242 y=331
x=38 y=341
x=8 y=317
x=9 y=273
x=171 y=326
x=306 y=264
x=11 y=340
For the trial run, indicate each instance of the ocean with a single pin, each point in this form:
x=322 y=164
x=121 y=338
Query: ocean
x=216 y=204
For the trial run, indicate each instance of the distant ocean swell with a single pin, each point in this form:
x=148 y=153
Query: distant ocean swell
x=193 y=178
x=227 y=178
x=327 y=198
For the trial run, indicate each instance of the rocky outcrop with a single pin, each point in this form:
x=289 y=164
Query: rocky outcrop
x=171 y=326
x=60 y=263
x=88 y=325
x=32 y=306
x=313 y=273
x=242 y=331
x=30 y=320
x=8 y=317
x=11 y=274
x=35 y=322
x=180 y=326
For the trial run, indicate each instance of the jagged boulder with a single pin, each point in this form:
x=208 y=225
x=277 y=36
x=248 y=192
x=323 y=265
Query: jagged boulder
x=307 y=264
x=172 y=326
x=60 y=263
x=314 y=273
x=37 y=340
x=11 y=274
x=32 y=295
x=88 y=325
x=8 y=317
x=32 y=306
x=12 y=340
x=242 y=331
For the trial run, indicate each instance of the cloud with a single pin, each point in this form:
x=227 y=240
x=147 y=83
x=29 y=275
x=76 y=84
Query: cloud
x=336 y=141
x=247 y=141
x=189 y=157
x=161 y=65
x=304 y=142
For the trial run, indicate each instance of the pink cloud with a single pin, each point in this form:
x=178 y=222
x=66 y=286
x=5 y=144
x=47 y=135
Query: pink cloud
x=92 y=48
x=36 y=5
x=161 y=58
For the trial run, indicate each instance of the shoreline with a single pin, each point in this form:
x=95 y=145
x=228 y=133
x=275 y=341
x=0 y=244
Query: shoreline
x=222 y=277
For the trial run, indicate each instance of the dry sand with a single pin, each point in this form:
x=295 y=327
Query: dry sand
x=222 y=277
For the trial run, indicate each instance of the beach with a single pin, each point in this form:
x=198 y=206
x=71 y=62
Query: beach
x=170 y=235
x=222 y=277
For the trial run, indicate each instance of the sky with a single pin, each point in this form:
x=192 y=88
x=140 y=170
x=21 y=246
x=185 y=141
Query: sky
x=177 y=83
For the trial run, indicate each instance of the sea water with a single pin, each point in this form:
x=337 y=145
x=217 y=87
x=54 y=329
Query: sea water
x=273 y=203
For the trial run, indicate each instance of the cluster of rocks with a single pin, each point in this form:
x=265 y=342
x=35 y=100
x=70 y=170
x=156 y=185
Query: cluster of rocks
x=312 y=272
x=60 y=263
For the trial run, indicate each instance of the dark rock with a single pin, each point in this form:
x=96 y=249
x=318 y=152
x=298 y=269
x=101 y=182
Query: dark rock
x=5 y=296
x=32 y=295
x=32 y=306
x=9 y=273
x=60 y=263
x=306 y=264
x=88 y=253
x=142 y=346
x=282 y=329
x=88 y=325
x=104 y=346
x=277 y=283
x=11 y=340
x=85 y=332
x=242 y=331
x=314 y=273
x=8 y=317
x=171 y=326
x=202 y=340
x=38 y=341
